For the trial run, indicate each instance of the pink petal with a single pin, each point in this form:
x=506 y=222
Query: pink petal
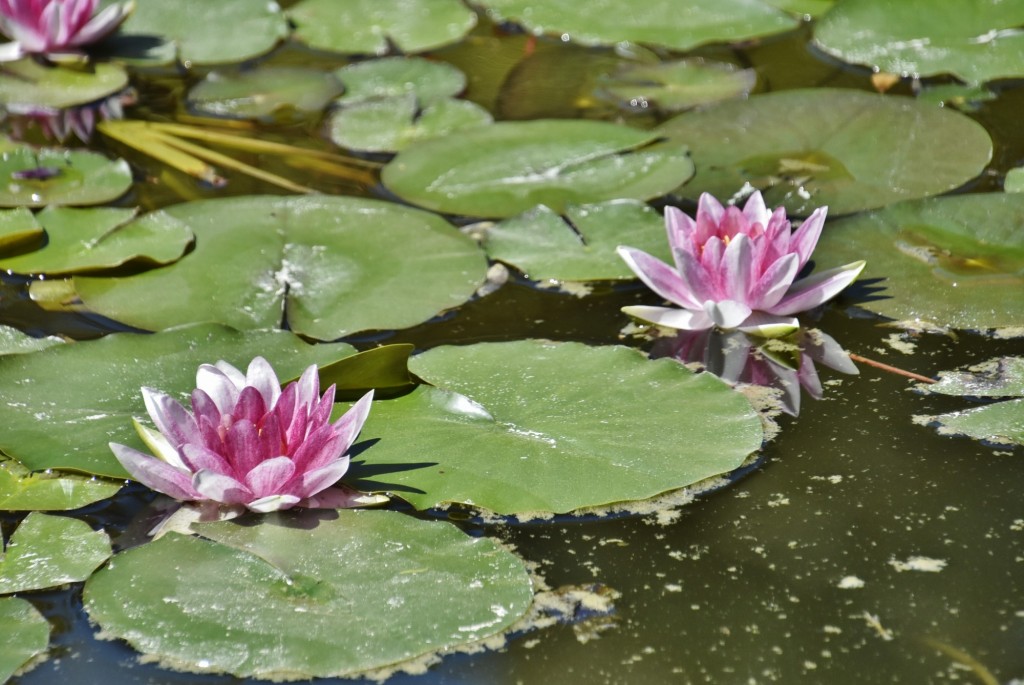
x=774 y=282
x=245 y=448
x=199 y=458
x=204 y=407
x=250 y=405
x=805 y=239
x=321 y=447
x=102 y=25
x=221 y=488
x=270 y=477
x=171 y=419
x=658 y=276
x=756 y=211
x=351 y=422
x=260 y=376
x=682 y=319
x=735 y=272
x=155 y=474
x=307 y=389
x=680 y=229
x=809 y=292
x=220 y=387
x=701 y=278
x=315 y=481
x=709 y=214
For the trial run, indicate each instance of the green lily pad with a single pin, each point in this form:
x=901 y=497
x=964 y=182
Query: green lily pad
x=32 y=177
x=808 y=8
x=19 y=230
x=24 y=635
x=657 y=22
x=1003 y=377
x=975 y=41
x=393 y=124
x=847 y=149
x=345 y=592
x=384 y=368
x=47 y=551
x=534 y=426
x=963 y=97
x=13 y=341
x=1014 y=181
x=80 y=240
x=678 y=85
x=371 y=27
x=199 y=32
x=580 y=246
x=948 y=261
x=22 y=490
x=509 y=167
x=394 y=77
x=330 y=265
x=74 y=399
x=1001 y=423
x=267 y=92
x=28 y=83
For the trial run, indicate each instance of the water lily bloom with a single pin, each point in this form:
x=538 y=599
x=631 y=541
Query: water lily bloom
x=736 y=269
x=246 y=442
x=56 y=28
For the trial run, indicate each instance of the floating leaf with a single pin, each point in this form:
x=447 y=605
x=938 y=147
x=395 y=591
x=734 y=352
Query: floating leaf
x=18 y=230
x=963 y=97
x=394 y=77
x=345 y=592
x=976 y=41
x=267 y=92
x=678 y=85
x=74 y=399
x=1014 y=181
x=46 y=551
x=534 y=426
x=51 y=176
x=1001 y=423
x=329 y=265
x=660 y=22
x=80 y=240
x=580 y=246
x=385 y=369
x=847 y=149
x=28 y=83
x=13 y=341
x=371 y=27
x=21 y=490
x=948 y=261
x=507 y=168
x=1003 y=377
x=24 y=634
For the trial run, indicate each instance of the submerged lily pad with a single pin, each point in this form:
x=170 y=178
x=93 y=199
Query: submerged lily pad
x=24 y=634
x=74 y=399
x=658 y=22
x=370 y=27
x=29 y=84
x=47 y=551
x=847 y=149
x=95 y=239
x=949 y=261
x=580 y=246
x=393 y=124
x=31 y=177
x=678 y=85
x=535 y=426
x=22 y=490
x=976 y=41
x=329 y=266
x=394 y=77
x=267 y=92
x=507 y=168
x=345 y=592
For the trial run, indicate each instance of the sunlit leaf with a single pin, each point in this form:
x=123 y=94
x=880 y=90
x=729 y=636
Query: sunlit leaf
x=46 y=551
x=399 y=76
x=13 y=341
x=24 y=634
x=32 y=177
x=21 y=490
x=28 y=83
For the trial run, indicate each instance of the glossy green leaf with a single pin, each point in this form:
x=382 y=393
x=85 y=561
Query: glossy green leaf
x=305 y=595
x=28 y=83
x=393 y=124
x=947 y=261
x=266 y=92
x=199 y=31
x=329 y=265
x=849 y=150
x=80 y=240
x=13 y=341
x=74 y=399
x=46 y=551
x=393 y=77
x=1002 y=377
x=976 y=41
x=678 y=85
x=24 y=634
x=372 y=26
x=579 y=246
x=1014 y=182
x=535 y=426
x=384 y=368
x=656 y=22
x=32 y=177
x=22 y=490
x=1001 y=423
x=19 y=230
x=507 y=168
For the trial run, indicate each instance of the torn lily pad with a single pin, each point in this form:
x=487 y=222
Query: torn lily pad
x=46 y=551
x=24 y=635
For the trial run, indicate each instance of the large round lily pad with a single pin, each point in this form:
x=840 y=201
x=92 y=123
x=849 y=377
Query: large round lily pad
x=954 y=261
x=534 y=426
x=27 y=84
x=300 y=596
x=372 y=26
x=847 y=149
x=507 y=168
x=32 y=177
x=67 y=402
x=328 y=266
x=977 y=41
x=680 y=26
x=24 y=634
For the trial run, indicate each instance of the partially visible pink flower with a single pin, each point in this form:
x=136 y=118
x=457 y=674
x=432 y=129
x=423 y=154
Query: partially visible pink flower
x=56 y=28
x=736 y=269
x=246 y=442
x=80 y=120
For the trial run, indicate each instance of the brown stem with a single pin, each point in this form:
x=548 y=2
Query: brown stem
x=890 y=369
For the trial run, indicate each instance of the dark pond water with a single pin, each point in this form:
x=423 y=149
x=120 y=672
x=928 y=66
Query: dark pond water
x=794 y=573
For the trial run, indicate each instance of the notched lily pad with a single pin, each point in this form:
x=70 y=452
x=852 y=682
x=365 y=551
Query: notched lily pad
x=396 y=588
x=24 y=635
x=676 y=86
x=32 y=177
x=22 y=490
x=29 y=84
x=277 y=93
x=47 y=551
x=509 y=167
x=539 y=427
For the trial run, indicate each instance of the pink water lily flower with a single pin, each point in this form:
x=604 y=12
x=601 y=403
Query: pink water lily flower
x=736 y=269
x=56 y=28
x=246 y=442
